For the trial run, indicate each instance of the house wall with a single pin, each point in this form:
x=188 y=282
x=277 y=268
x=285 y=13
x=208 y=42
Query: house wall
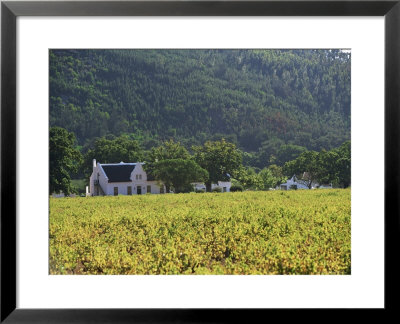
x=103 y=180
x=142 y=184
x=221 y=184
x=138 y=171
x=199 y=186
x=91 y=185
x=123 y=187
x=59 y=195
x=326 y=186
x=226 y=184
x=291 y=182
x=155 y=187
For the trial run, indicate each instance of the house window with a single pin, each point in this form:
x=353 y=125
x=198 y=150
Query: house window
x=115 y=191
x=224 y=189
x=137 y=177
x=148 y=189
x=162 y=189
x=140 y=177
x=129 y=190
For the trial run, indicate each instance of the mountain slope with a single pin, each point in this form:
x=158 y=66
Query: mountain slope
x=259 y=99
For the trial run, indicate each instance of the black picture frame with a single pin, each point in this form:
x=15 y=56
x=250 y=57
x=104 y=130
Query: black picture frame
x=10 y=10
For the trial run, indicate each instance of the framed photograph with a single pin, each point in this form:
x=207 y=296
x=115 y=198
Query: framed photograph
x=164 y=158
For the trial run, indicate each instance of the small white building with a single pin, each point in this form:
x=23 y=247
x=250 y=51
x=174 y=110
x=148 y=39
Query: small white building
x=325 y=186
x=58 y=195
x=113 y=179
x=294 y=183
x=224 y=185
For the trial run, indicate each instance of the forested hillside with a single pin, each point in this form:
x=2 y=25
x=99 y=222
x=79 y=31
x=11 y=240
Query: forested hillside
x=273 y=104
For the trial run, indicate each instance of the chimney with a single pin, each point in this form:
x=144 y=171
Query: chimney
x=94 y=163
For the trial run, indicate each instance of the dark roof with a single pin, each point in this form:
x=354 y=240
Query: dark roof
x=118 y=172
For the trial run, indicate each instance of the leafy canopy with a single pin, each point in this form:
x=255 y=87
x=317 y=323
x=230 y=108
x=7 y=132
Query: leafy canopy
x=64 y=160
x=167 y=151
x=220 y=158
x=332 y=166
x=179 y=173
x=252 y=97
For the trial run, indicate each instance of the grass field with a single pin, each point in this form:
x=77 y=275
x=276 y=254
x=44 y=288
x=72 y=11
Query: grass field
x=273 y=232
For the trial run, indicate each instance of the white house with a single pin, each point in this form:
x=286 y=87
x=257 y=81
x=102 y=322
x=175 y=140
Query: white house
x=294 y=183
x=113 y=179
x=224 y=185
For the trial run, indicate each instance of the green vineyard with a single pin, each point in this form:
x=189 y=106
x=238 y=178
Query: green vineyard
x=253 y=232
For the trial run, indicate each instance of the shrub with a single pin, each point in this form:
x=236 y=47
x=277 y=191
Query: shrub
x=217 y=189
x=185 y=189
x=200 y=191
x=236 y=188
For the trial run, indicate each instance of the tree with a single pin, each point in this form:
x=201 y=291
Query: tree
x=277 y=173
x=113 y=150
x=343 y=164
x=305 y=167
x=288 y=152
x=332 y=166
x=328 y=167
x=64 y=159
x=220 y=158
x=270 y=177
x=268 y=150
x=167 y=151
x=248 y=178
x=179 y=173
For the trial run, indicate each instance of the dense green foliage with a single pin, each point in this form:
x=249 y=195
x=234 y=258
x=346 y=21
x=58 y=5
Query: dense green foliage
x=265 y=179
x=64 y=160
x=168 y=150
x=332 y=166
x=273 y=104
x=220 y=158
x=179 y=174
x=296 y=232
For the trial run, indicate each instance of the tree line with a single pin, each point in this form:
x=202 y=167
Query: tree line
x=177 y=167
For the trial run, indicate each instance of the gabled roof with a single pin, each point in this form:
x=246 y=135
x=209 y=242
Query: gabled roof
x=120 y=172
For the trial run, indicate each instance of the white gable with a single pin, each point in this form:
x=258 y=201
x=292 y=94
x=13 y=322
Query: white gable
x=138 y=174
